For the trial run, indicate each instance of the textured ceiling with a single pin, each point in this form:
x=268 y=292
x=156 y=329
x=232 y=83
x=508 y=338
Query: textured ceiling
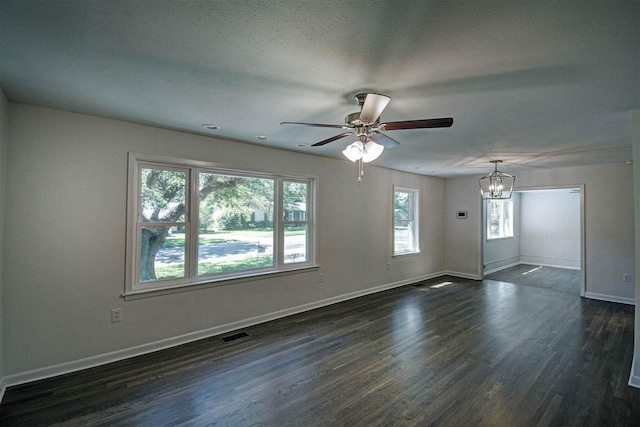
x=537 y=84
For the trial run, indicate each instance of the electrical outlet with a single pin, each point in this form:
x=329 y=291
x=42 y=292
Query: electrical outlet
x=116 y=315
x=388 y=266
x=320 y=278
x=626 y=277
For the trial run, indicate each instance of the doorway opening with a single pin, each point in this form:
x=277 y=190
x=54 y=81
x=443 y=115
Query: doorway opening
x=536 y=238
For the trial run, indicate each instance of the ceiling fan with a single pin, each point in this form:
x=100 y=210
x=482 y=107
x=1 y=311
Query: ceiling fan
x=366 y=125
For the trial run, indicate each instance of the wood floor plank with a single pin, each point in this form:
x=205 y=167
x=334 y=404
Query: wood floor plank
x=468 y=353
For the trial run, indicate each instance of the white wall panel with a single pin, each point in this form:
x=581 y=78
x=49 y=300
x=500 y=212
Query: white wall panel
x=550 y=228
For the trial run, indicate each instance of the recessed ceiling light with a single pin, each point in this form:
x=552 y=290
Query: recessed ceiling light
x=303 y=145
x=262 y=137
x=629 y=162
x=211 y=127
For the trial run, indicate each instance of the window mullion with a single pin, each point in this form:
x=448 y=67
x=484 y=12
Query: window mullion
x=192 y=247
x=278 y=223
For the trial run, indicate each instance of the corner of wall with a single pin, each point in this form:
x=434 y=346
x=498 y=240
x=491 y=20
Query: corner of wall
x=4 y=143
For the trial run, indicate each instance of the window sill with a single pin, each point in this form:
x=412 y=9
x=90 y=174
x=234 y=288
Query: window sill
x=499 y=238
x=403 y=254
x=210 y=283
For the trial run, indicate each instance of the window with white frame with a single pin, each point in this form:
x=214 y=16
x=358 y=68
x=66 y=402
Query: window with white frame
x=405 y=221
x=191 y=223
x=499 y=219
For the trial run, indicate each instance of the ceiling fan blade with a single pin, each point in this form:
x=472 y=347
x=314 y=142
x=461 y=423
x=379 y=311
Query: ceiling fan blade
x=383 y=140
x=373 y=105
x=317 y=125
x=333 y=138
x=444 y=122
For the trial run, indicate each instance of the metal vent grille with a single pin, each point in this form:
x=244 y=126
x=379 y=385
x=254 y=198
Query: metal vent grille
x=229 y=338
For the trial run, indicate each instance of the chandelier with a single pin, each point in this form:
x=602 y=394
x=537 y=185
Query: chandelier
x=496 y=185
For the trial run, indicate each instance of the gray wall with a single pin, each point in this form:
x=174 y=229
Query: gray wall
x=499 y=253
x=635 y=138
x=550 y=228
x=463 y=237
x=609 y=224
x=4 y=143
x=65 y=225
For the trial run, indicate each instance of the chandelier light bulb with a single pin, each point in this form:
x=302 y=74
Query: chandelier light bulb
x=354 y=151
x=372 y=151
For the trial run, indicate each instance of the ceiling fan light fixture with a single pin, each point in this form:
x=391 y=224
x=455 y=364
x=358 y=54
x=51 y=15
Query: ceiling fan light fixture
x=354 y=151
x=371 y=151
x=496 y=185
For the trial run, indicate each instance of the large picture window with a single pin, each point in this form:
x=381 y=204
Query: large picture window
x=499 y=219
x=405 y=221
x=191 y=223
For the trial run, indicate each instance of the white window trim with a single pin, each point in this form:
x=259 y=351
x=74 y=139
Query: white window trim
x=416 y=221
x=135 y=289
x=488 y=215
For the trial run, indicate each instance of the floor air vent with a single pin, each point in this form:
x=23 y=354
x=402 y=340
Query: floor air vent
x=229 y=338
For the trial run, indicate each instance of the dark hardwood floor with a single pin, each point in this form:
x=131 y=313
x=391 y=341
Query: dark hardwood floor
x=557 y=279
x=463 y=354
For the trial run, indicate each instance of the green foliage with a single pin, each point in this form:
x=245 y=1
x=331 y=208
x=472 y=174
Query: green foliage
x=234 y=200
x=294 y=194
x=402 y=206
x=163 y=195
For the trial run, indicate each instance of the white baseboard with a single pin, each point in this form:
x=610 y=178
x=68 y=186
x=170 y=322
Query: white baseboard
x=610 y=298
x=634 y=380
x=569 y=264
x=114 y=356
x=462 y=275
x=3 y=387
x=504 y=267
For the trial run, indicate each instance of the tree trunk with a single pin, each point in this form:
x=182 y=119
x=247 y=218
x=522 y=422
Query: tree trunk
x=152 y=241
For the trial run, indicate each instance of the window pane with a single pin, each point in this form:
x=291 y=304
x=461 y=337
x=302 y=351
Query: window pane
x=403 y=209
x=162 y=195
x=235 y=228
x=295 y=243
x=295 y=201
x=499 y=219
x=403 y=236
x=405 y=226
x=162 y=253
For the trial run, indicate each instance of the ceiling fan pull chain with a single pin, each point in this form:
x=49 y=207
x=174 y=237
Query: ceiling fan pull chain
x=360 y=170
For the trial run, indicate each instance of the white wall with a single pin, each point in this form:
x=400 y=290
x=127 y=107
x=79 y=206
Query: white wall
x=463 y=236
x=550 y=228
x=65 y=225
x=4 y=143
x=499 y=253
x=609 y=224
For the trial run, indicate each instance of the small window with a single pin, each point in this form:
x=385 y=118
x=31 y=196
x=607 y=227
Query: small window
x=499 y=219
x=191 y=223
x=405 y=221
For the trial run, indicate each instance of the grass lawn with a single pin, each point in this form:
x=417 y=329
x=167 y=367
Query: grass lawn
x=177 y=270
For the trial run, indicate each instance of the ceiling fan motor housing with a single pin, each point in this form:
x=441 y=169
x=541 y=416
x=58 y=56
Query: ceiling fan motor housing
x=353 y=119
